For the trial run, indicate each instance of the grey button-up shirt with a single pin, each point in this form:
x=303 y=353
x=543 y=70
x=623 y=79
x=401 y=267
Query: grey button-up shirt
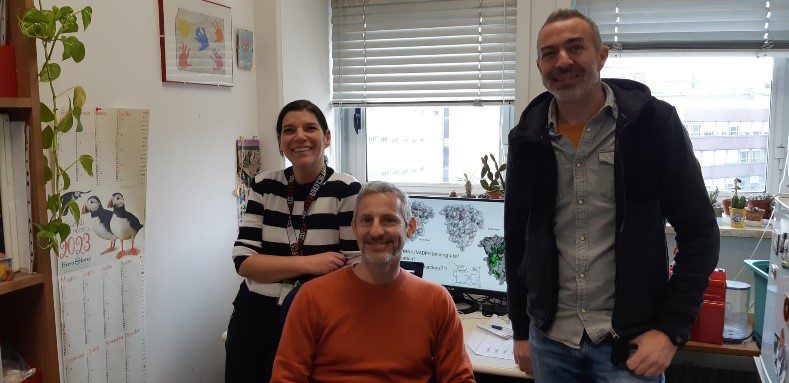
x=585 y=227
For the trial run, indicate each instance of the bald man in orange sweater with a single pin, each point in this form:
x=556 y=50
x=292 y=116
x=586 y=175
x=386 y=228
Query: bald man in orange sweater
x=374 y=322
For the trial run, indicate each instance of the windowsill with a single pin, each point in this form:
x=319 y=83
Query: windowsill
x=747 y=232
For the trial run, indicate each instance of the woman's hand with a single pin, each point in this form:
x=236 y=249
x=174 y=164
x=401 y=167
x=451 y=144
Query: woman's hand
x=323 y=263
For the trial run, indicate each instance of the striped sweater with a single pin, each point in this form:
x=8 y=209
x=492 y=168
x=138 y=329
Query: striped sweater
x=263 y=227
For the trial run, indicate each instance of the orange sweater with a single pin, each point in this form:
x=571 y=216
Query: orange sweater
x=342 y=329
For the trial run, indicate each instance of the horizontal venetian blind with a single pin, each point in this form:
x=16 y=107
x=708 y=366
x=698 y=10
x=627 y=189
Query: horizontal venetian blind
x=403 y=51
x=690 y=24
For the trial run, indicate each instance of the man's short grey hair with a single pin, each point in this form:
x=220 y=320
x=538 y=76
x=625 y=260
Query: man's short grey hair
x=374 y=187
x=567 y=14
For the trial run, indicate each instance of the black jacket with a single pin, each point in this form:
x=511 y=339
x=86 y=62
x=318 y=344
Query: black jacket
x=656 y=177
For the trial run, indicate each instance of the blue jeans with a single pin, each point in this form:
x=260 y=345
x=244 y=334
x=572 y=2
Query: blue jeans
x=553 y=361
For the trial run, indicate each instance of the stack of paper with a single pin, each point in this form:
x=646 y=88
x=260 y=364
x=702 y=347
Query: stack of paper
x=492 y=338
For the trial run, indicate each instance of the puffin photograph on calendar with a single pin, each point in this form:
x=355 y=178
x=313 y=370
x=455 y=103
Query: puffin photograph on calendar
x=111 y=226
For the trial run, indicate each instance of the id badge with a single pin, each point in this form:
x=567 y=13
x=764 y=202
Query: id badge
x=284 y=290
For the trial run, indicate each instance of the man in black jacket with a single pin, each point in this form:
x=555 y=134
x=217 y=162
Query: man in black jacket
x=595 y=169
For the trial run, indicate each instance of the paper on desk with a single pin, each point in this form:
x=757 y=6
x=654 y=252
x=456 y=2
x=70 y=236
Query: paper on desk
x=485 y=344
x=502 y=322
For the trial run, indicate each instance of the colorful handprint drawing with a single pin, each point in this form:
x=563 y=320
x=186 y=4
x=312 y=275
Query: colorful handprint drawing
x=183 y=57
x=219 y=33
x=219 y=63
x=201 y=38
x=183 y=28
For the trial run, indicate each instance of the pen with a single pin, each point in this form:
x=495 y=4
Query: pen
x=497 y=327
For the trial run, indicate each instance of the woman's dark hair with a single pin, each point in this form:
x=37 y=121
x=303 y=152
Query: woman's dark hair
x=300 y=105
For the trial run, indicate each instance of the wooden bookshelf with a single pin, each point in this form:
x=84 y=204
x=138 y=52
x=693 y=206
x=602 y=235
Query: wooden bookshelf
x=26 y=303
x=21 y=280
x=16 y=102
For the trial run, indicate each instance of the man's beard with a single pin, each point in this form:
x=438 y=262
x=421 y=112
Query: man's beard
x=587 y=81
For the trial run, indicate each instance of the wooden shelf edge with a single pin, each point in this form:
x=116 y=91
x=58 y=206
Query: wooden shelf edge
x=21 y=280
x=747 y=348
x=16 y=102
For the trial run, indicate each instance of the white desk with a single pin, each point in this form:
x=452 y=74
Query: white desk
x=484 y=364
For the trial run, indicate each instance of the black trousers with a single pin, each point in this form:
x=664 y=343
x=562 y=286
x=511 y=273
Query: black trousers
x=252 y=337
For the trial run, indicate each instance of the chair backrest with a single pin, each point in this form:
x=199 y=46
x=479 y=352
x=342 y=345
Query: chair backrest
x=416 y=268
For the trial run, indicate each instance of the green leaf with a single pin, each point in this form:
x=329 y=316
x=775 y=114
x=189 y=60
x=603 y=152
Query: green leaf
x=46 y=113
x=47 y=174
x=39 y=227
x=77 y=113
x=49 y=72
x=74 y=209
x=46 y=137
x=64 y=231
x=53 y=204
x=503 y=167
x=62 y=13
x=50 y=237
x=66 y=178
x=66 y=48
x=86 y=13
x=79 y=124
x=87 y=163
x=33 y=15
x=69 y=25
x=79 y=97
x=77 y=49
x=66 y=122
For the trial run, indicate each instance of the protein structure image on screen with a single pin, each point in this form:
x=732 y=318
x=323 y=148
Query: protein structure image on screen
x=422 y=213
x=494 y=248
x=462 y=222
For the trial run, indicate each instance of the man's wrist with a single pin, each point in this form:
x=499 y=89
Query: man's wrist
x=677 y=340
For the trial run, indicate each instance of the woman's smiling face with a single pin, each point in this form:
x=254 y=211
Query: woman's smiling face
x=302 y=140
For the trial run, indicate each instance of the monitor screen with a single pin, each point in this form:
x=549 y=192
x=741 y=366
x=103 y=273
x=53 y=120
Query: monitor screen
x=461 y=243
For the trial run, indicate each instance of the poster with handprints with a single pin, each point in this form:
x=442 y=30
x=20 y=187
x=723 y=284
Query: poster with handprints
x=196 y=42
x=100 y=265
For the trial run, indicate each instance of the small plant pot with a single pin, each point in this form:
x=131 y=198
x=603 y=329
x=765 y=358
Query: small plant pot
x=737 y=217
x=726 y=206
x=763 y=204
x=495 y=194
x=754 y=214
x=718 y=211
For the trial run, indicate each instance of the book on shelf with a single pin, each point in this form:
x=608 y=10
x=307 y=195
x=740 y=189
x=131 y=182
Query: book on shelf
x=15 y=194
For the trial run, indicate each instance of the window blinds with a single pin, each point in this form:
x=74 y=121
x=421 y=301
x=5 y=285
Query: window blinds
x=690 y=24
x=409 y=51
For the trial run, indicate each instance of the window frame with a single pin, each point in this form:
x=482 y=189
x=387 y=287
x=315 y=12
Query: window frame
x=352 y=156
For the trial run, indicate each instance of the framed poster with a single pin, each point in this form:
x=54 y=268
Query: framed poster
x=196 y=42
x=244 y=49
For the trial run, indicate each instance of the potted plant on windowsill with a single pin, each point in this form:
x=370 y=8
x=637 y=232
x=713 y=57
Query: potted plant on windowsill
x=715 y=205
x=737 y=209
x=491 y=178
x=762 y=201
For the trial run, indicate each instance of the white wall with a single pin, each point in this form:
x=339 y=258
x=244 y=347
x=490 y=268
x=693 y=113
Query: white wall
x=295 y=66
x=190 y=212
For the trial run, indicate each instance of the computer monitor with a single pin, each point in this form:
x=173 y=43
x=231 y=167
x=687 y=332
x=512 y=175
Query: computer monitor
x=461 y=243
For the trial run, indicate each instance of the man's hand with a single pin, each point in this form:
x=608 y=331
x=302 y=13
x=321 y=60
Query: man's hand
x=522 y=355
x=654 y=354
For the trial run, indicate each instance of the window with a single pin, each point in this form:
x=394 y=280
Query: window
x=422 y=89
x=725 y=94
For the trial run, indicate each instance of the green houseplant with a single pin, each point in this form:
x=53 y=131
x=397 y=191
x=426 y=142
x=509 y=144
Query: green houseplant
x=714 y=201
x=56 y=28
x=491 y=178
x=737 y=209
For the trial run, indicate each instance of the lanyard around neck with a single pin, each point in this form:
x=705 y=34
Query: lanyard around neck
x=297 y=245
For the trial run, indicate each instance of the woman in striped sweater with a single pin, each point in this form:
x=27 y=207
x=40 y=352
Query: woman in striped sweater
x=296 y=226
